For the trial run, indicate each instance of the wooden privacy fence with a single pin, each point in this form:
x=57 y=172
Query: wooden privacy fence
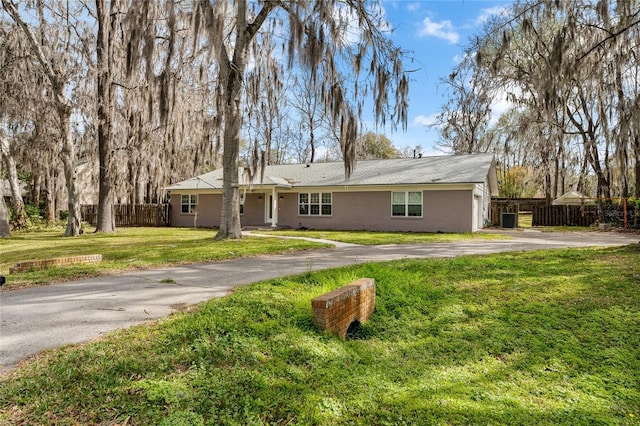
x=564 y=215
x=620 y=213
x=511 y=205
x=131 y=214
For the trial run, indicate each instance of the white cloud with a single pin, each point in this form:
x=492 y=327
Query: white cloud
x=487 y=14
x=412 y=7
x=424 y=121
x=458 y=59
x=350 y=23
x=443 y=30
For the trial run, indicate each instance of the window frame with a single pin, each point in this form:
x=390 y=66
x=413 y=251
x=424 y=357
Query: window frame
x=315 y=204
x=406 y=204
x=192 y=205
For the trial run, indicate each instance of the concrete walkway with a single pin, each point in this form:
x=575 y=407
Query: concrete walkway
x=35 y=319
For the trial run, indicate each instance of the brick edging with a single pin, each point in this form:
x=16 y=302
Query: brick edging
x=28 y=265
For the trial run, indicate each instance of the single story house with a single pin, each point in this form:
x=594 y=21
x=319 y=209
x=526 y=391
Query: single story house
x=427 y=194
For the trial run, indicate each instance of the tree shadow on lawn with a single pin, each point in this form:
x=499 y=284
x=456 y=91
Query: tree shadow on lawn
x=515 y=342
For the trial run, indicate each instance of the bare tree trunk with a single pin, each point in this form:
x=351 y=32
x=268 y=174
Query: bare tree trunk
x=312 y=139
x=622 y=133
x=148 y=188
x=603 y=179
x=231 y=76
x=106 y=220
x=133 y=182
x=64 y=112
x=556 y=176
x=5 y=230
x=19 y=214
x=35 y=189
x=636 y=149
x=50 y=200
x=74 y=220
x=139 y=183
x=230 y=221
x=545 y=154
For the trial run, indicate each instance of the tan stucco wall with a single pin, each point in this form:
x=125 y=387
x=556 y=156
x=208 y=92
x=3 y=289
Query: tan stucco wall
x=448 y=211
x=253 y=210
x=209 y=209
x=445 y=211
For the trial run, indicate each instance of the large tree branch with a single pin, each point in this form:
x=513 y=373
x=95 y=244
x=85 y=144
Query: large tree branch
x=37 y=50
x=253 y=27
x=612 y=35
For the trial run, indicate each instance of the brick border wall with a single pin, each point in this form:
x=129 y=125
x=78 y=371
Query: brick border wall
x=60 y=261
x=336 y=310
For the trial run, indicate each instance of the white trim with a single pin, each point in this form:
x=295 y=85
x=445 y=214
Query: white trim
x=383 y=188
x=195 y=192
x=406 y=204
x=274 y=208
x=266 y=207
x=320 y=204
x=195 y=206
x=476 y=212
x=342 y=188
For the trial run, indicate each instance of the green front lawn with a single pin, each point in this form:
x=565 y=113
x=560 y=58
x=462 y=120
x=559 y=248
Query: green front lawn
x=127 y=249
x=544 y=338
x=377 y=238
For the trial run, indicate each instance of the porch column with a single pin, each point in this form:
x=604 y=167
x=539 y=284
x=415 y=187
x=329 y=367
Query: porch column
x=274 y=208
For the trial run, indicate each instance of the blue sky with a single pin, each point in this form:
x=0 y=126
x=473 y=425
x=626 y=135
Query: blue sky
x=436 y=33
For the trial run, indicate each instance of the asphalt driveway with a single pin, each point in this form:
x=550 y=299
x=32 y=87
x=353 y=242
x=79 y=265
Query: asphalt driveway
x=35 y=319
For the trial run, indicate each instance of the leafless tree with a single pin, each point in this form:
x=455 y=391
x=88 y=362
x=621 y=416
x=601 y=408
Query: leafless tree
x=16 y=90
x=316 y=37
x=267 y=125
x=19 y=215
x=171 y=113
x=570 y=70
x=464 y=119
x=168 y=85
x=312 y=121
x=53 y=67
x=106 y=19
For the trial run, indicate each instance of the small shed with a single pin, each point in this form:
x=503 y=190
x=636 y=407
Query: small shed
x=573 y=198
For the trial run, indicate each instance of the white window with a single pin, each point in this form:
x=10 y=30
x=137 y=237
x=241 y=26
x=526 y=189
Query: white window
x=189 y=203
x=406 y=204
x=314 y=204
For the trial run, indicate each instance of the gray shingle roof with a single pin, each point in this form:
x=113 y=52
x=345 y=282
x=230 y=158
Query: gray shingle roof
x=402 y=171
